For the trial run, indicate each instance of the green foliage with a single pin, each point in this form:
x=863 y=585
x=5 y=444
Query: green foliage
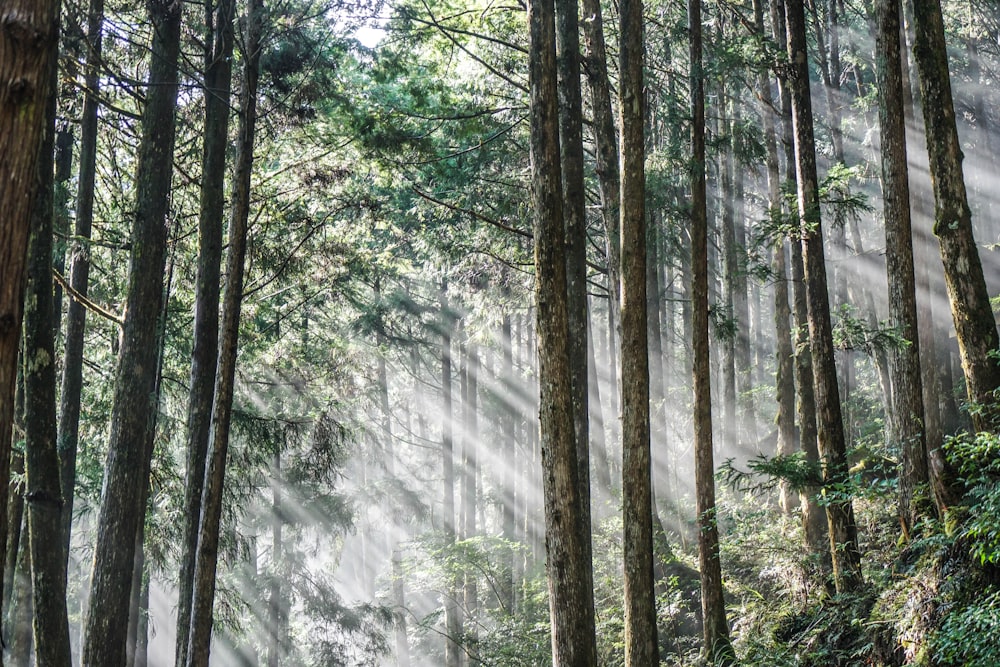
x=851 y=332
x=977 y=460
x=967 y=635
x=839 y=199
x=766 y=473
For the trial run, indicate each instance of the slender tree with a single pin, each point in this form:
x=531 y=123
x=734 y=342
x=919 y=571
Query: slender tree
x=453 y=618
x=206 y=562
x=907 y=385
x=76 y=314
x=110 y=592
x=26 y=49
x=717 y=647
x=641 y=647
x=830 y=425
x=575 y=221
x=571 y=602
x=204 y=356
x=970 y=304
x=43 y=495
x=606 y=145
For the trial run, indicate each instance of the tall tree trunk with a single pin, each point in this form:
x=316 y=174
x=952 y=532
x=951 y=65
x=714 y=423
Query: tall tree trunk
x=470 y=441
x=453 y=617
x=206 y=561
x=508 y=418
x=830 y=425
x=575 y=222
x=941 y=475
x=784 y=353
x=813 y=518
x=277 y=610
x=43 y=495
x=716 y=645
x=205 y=353
x=567 y=537
x=60 y=219
x=641 y=647
x=907 y=386
x=76 y=315
x=970 y=304
x=727 y=243
x=27 y=47
x=120 y=513
x=741 y=303
x=606 y=153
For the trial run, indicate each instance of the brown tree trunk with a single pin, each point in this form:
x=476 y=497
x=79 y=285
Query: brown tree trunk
x=43 y=496
x=508 y=418
x=453 y=617
x=470 y=440
x=829 y=421
x=641 y=647
x=567 y=537
x=110 y=592
x=27 y=44
x=206 y=560
x=970 y=305
x=606 y=153
x=907 y=392
x=575 y=222
x=941 y=475
x=205 y=353
x=76 y=315
x=716 y=644
x=784 y=353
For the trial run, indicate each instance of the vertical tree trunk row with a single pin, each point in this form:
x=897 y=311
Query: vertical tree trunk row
x=571 y=605
x=970 y=305
x=829 y=421
x=111 y=583
x=907 y=386
x=716 y=645
x=205 y=353
x=203 y=598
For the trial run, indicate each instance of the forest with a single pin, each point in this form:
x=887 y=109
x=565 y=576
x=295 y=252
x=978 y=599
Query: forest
x=424 y=333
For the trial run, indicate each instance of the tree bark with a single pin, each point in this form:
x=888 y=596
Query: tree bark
x=470 y=473
x=133 y=406
x=641 y=647
x=606 y=145
x=205 y=354
x=571 y=605
x=206 y=561
x=970 y=305
x=508 y=418
x=575 y=221
x=28 y=34
x=784 y=380
x=43 y=496
x=453 y=618
x=716 y=644
x=844 y=549
x=907 y=385
x=76 y=315
x=20 y=614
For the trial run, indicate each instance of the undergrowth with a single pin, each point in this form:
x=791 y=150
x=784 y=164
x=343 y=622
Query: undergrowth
x=932 y=600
